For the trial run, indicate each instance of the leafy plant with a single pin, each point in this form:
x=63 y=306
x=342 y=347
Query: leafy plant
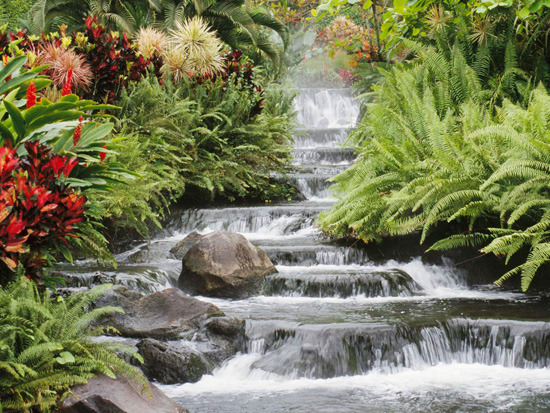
x=200 y=46
x=38 y=210
x=236 y=24
x=436 y=158
x=46 y=346
x=50 y=157
x=218 y=143
x=110 y=58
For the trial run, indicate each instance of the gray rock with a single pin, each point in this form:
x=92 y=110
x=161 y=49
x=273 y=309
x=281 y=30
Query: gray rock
x=187 y=361
x=168 y=314
x=180 y=249
x=172 y=362
x=105 y=395
x=223 y=264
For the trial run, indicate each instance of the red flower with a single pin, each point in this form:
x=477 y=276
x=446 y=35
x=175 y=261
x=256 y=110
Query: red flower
x=31 y=95
x=68 y=86
x=77 y=131
x=102 y=155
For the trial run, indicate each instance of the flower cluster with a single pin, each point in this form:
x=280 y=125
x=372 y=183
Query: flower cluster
x=96 y=64
x=38 y=210
x=345 y=35
x=113 y=59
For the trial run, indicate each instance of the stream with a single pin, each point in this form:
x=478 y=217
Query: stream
x=335 y=332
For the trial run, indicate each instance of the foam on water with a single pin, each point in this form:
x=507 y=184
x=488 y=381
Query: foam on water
x=479 y=380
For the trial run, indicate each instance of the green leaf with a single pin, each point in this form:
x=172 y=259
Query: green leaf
x=524 y=13
x=65 y=357
x=12 y=66
x=17 y=119
x=6 y=134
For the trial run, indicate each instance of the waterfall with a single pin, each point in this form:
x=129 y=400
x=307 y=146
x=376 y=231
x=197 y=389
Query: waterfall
x=334 y=332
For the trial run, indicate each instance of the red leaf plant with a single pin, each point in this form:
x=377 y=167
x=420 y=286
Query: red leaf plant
x=38 y=210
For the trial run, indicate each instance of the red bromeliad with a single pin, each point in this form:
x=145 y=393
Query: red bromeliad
x=78 y=131
x=37 y=210
x=68 y=86
x=31 y=95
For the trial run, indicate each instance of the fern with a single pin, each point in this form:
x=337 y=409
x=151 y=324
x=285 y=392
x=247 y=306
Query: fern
x=432 y=152
x=45 y=346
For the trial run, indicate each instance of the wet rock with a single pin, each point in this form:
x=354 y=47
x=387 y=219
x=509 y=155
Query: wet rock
x=103 y=394
x=173 y=362
x=221 y=338
x=118 y=296
x=169 y=362
x=168 y=314
x=224 y=264
x=180 y=249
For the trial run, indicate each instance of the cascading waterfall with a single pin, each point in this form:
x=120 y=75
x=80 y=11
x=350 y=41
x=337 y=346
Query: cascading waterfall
x=334 y=332
x=332 y=323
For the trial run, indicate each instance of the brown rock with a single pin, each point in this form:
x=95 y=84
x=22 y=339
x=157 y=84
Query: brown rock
x=224 y=264
x=105 y=395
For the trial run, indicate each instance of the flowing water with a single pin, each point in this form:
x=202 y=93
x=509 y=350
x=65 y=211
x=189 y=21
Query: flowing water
x=332 y=331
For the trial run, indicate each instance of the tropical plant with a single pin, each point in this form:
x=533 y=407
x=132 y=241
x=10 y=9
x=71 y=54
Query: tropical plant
x=46 y=15
x=38 y=210
x=192 y=50
x=51 y=155
x=234 y=23
x=14 y=12
x=46 y=346
x=436 y=157
x=151 y=41
x=61 y=61
x=110 y=58
x=202 y=49
x=488 y=29
x=219 y=143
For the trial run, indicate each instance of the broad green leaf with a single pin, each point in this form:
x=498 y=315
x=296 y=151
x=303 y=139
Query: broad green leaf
x=16 y=117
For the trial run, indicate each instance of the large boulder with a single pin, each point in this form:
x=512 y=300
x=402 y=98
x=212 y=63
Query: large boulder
x=224 y=264
x=102 y=395
x=168 y=314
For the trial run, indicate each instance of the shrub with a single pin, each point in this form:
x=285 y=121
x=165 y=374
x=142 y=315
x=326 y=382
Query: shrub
x=46 y=346
x=437 y=156
x=200 y=47
x=38 y=211
x=50 y=156
x=110 y=58
x=217 y=141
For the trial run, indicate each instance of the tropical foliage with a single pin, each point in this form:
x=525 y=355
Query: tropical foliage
x=46 y=346
x=52 y=154
x=220 y=139
x=102 y=62
x=235 y=23
x=439 y=154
